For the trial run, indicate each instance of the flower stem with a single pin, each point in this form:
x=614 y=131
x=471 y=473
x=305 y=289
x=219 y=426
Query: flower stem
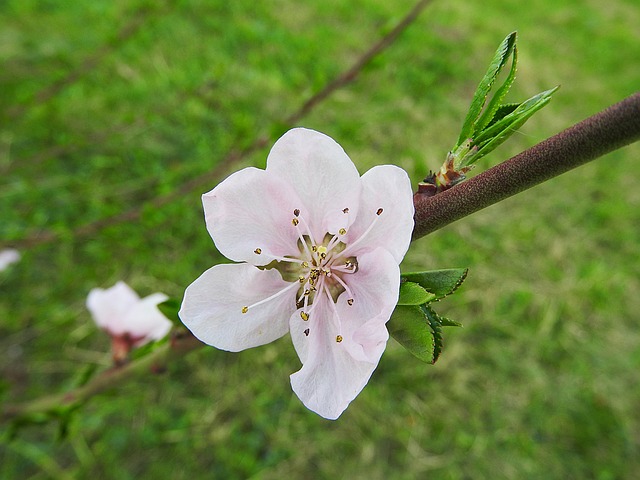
x=615 y=127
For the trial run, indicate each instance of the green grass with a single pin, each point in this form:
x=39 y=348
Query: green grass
x=107 y=105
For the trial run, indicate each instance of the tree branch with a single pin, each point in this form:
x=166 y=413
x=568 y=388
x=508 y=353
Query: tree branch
x=233 y=156
x=613 y=128
x=180 y=344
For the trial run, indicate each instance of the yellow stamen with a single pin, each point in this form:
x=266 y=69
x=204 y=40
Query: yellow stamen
x=245 y=309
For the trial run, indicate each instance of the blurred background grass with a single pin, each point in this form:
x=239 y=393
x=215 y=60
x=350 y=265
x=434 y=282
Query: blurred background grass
x=106 y=105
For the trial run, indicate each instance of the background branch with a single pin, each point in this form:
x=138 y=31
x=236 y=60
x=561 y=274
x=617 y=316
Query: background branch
x=180 y=343
x=232 y=157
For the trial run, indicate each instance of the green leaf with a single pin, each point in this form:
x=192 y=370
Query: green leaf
x=438 y=282
x=497 y=98
x=413 y=294
x=503 y=111
x=147 y=348
x=480 y=97
x=447 y=322
x=435 y=324
x=170 y=308
x=502 y=129
x=409 y=327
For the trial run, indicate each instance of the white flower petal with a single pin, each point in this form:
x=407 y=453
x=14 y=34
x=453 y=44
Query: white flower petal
x=387 y=187
x=109 y=306
x=250 y=210
x=213 y=304
x=333 y=373
x=146 y=321
x=331 y=377
x=321 y=173
x=8 y=256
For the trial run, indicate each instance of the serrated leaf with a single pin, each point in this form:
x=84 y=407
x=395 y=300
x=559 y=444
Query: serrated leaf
x=435 y=324
x=499 y=131
x=409 y=327
x=447 y=322
x=170 y=308
x=503 y=111
x=413 y=294
x=496 y=99
x=438 y=282
x=480 y=97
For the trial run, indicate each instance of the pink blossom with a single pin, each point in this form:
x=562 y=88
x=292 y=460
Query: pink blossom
x=128 y=319
x=8 y=256
x=319 y=248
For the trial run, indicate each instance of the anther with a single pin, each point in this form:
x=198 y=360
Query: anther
x=305 y=264
x=296 y=212
x=306 y=332
x=345 y=210
x=350 y=301
x=342 y=231
x=301 y=279
x=245 y=309
x=314 y=248
x=257 y=251
x=307 y=292
x=379 y=212
x=304 y=316
x=339 y=338
x=295 y=221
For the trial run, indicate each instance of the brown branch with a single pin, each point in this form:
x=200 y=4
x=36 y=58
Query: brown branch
x=85 y=66
x=615 y=127
x=179 y=345
x=234 y=156
x=350 y=75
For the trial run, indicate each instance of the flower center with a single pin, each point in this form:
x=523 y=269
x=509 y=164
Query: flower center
x=318 y=269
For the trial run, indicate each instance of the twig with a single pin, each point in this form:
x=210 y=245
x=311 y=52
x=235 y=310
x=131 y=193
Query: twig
x=350 y=75
x=88 y=64
x=179 y=345
x=615 y=127
x=233 y=156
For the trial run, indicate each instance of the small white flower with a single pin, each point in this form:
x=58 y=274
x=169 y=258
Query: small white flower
x=129 y=320
x=320 y=248
x=8 y=256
